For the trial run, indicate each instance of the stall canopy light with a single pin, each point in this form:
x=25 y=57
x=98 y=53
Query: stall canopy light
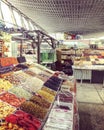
x=18 y=18
x=7 y=15
x=31 y=25
x=25 y=23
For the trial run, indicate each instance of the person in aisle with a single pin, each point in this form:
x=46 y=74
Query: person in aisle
x=58 y=66
x=67 y=66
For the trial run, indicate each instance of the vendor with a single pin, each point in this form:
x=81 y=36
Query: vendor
x=67 y=66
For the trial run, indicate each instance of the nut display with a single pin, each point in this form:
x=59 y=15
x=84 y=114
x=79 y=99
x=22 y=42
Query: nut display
x=5 y=109
x=34 y=109
x=13 y=79
x=22 y=76
x=11 y=99
x=40 y=101
x=49 y=97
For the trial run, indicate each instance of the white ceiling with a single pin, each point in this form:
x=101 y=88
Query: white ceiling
x=76 y=16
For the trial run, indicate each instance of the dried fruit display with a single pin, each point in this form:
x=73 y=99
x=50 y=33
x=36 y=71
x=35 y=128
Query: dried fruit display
x=5 y=109
x=49 y=90
x=20 y=67
x=11 y=99
x=10 y=126
x=49 y=97
x=13 y=79
x=20 y=92
x=65 y=96
x=5 y=85
x=22 y=76
x=5 y=69
x=23 y=119
x=16 y=69
x=34 y=109
x=53 y=83
x=40 y=101
x=32 y=84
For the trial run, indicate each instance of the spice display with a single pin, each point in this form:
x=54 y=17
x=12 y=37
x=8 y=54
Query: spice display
x=25 y=120
x=11 y=99
x=40 y=101
x=13 y=79
x=10 y=126
x=5 y=109
x=4 y=85
x=49 y=90
x=34 y=109
x=49 y=97
x=20 y=92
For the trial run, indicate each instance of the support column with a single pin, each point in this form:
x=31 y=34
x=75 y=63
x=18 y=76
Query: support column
x=21 y=47
x=38 y=48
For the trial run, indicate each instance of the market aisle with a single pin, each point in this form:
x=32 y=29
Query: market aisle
x=91 y=107
x=90 y=93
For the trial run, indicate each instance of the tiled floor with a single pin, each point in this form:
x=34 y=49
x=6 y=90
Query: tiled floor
x=91 y=106
x=90 y=93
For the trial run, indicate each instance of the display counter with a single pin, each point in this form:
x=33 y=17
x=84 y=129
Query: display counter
x=93 y=73
x=30 y=95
